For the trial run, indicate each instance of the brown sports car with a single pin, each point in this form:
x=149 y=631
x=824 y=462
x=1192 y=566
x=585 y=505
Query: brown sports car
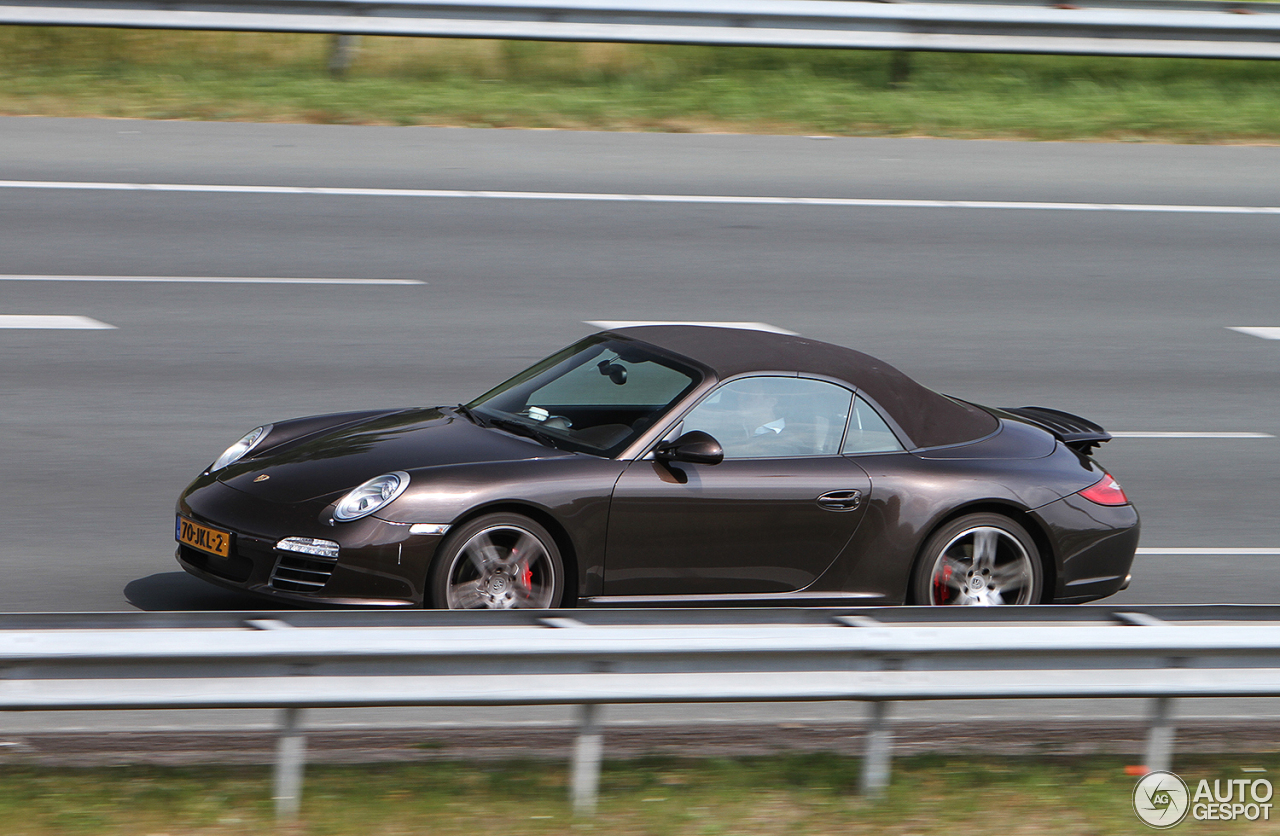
x=669 y=465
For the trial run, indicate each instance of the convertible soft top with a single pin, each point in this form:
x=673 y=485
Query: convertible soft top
x=930 y=419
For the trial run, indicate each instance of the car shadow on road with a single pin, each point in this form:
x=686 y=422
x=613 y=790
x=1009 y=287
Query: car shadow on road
x=180 y=591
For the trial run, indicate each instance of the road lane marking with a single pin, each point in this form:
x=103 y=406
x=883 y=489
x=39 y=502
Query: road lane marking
x=205 y=280
x=744 y=200
x=1207 y=552
x=1266 y=332
x=1190 y=435
x=80 y=323
x=612 y=324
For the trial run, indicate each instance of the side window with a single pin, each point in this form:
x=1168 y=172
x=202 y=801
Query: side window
x=774 y=417
x=868 y=433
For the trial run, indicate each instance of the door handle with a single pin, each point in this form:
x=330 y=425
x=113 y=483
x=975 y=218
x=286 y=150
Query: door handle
x=840 y=500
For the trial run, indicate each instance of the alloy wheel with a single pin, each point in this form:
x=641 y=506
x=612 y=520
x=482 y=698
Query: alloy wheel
x=983 y=566
x=502 y=567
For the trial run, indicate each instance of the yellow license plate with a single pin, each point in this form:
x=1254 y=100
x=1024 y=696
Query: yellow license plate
x=204 y=538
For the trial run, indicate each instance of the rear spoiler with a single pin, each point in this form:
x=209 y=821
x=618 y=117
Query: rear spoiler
x=1078 y=433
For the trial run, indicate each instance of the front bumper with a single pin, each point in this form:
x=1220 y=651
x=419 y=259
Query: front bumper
x=379 y=563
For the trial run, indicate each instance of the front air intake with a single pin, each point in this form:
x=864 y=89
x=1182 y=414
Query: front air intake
x=301 y=572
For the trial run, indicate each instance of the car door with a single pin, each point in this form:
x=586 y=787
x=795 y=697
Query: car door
x=771 y=517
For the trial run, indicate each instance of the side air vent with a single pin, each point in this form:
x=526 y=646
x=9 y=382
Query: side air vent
x=1077 y=433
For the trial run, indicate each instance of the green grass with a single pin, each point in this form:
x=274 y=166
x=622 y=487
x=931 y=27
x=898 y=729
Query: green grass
x=266 y=77
x=794 y=794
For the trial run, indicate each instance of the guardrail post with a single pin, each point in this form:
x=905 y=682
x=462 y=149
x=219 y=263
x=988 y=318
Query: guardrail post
x=877 y=757
x=899 y=68
x=291 y=756
x=341 y=53
x=1159 y=756
x=588 y=749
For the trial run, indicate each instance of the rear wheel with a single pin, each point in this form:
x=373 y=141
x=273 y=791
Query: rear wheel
x=979 y=560
x=498 y=561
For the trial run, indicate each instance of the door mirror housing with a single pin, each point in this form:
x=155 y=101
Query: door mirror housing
x=696 y=447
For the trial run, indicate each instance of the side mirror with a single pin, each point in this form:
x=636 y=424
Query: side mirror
x=694 y=447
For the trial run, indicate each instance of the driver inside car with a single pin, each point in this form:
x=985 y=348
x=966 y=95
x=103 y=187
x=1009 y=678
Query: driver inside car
x=744 y=417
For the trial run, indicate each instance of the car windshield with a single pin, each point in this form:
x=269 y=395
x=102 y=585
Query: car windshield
x=596 y=396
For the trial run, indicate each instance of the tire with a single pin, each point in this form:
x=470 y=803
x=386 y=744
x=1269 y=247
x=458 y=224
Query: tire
x=497 y=561
x=979 y=560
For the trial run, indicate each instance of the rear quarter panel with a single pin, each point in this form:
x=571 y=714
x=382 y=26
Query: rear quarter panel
x=912 y=494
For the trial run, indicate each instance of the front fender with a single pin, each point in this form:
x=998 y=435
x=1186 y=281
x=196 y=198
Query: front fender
x=573 y=492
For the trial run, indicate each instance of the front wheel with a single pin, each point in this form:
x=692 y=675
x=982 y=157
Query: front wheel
x=980 y=560
x=497 y=562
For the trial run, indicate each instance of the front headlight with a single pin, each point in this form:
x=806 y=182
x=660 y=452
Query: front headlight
x=241 y=448
x=371 y=496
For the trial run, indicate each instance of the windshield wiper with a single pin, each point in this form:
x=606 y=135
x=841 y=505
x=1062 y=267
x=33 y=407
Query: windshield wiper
x=471 y=415
x=521 y=428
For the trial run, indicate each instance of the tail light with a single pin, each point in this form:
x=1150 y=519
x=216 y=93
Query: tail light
x=1106 y=492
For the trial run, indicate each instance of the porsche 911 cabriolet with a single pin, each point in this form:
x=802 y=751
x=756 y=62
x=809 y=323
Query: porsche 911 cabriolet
x=670 y=465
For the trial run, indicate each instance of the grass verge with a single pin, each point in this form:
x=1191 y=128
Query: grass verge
x=405 y=81
x=792 y=794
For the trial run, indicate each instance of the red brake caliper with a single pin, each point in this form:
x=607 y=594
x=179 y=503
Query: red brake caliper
x=940 y=586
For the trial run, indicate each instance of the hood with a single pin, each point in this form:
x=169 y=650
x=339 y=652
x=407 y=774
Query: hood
x=337 y=460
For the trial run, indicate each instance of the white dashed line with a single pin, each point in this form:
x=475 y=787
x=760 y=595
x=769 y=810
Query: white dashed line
x=80 y=323
x=1204 y=552
x=1190 y=435
x=1266 y=332
x=611 y=324
x=750 y=200
x=205 y=280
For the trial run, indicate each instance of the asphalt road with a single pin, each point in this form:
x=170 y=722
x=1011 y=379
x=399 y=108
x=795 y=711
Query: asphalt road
x=1120 y=315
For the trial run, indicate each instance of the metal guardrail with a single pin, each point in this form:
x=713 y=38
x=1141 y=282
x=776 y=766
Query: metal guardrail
x=298 y=660
x=1235 y=7
x=1243 y=31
